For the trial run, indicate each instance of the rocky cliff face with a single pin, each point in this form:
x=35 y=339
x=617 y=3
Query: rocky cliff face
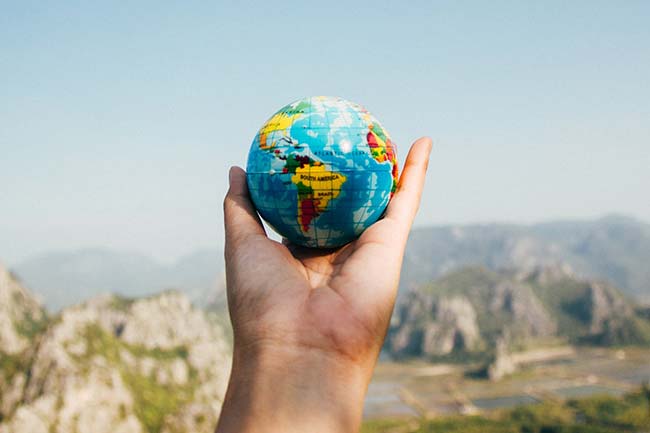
x=518 y=300
x=428 y=326
x=472 y=309
x=503 y=363
x=21 y=321
x=115 y=365
x=21 y=316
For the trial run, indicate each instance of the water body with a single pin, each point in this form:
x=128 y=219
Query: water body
x=504 y=402
x=587 y=390
x=383 y=399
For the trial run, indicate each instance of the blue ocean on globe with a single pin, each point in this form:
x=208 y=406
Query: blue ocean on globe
x=321 y=170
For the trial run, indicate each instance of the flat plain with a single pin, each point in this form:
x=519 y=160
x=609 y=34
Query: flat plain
x=417 y=388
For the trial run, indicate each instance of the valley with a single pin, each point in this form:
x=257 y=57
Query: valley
x=421 y=389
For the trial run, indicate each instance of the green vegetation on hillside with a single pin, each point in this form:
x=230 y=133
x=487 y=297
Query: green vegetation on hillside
x=466 y=281
x=10 y=365
x=567 y=300
x=470 y=424
x=599 y=414
x=644 y=311
x=121 y=303
x=526 y=309
x=152 y=400
x=31 y=327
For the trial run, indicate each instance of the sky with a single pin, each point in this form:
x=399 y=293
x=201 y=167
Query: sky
x=118 y=122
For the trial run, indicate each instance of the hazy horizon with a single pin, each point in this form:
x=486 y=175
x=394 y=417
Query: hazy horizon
x=151 y=255
x=118 y=123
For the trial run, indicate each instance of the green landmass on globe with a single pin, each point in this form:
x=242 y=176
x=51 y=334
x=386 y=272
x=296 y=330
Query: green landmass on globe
x=321 y=170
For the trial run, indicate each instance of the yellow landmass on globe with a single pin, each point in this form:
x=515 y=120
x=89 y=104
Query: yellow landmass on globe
x=280 y=121
x=316 y=187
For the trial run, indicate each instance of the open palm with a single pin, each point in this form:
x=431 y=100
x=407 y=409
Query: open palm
x=334 y=301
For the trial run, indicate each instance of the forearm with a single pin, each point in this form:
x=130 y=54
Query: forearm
x=290 y=390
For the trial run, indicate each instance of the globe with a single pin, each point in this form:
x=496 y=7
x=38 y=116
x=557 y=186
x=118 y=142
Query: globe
x=321 y=170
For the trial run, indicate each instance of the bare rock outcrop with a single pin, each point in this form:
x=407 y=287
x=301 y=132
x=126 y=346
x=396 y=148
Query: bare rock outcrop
x=21 y=320
x=115 y=365
x=526 y=309
x=503 y=363
x=604 y=305
x=454 y=327
x=20 y=314
x=435 y=326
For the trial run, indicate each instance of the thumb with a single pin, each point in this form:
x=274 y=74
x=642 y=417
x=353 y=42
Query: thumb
x=240 y=218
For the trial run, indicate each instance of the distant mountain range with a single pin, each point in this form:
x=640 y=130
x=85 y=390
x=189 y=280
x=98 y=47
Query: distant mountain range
x=64 y=278
x=614 y=248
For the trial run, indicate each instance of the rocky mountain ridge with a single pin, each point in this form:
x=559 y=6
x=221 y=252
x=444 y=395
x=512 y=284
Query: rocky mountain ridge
x=613 y=248
x=21 y=315
x=111 y=365
x=472 y=310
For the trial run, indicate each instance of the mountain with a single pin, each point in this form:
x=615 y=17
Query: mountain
x=613 y=248
x=110 y=364
x=475 y=309
x=22 y=320
x=66 y=278
x=21 y=315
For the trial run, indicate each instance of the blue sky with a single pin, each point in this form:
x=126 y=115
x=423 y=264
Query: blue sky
x=118 y=122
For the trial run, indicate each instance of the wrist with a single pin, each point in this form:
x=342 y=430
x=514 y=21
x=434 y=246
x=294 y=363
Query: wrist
x=278 y=388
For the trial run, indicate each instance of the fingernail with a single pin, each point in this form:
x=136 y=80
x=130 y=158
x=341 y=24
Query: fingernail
x=231 y=175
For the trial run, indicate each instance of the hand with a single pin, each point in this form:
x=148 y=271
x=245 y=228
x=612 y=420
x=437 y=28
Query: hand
x=309 y=324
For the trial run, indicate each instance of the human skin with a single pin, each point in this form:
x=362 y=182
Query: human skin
x=309 y=324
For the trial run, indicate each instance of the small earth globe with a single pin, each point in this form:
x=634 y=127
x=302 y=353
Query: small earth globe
x=321 y=170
